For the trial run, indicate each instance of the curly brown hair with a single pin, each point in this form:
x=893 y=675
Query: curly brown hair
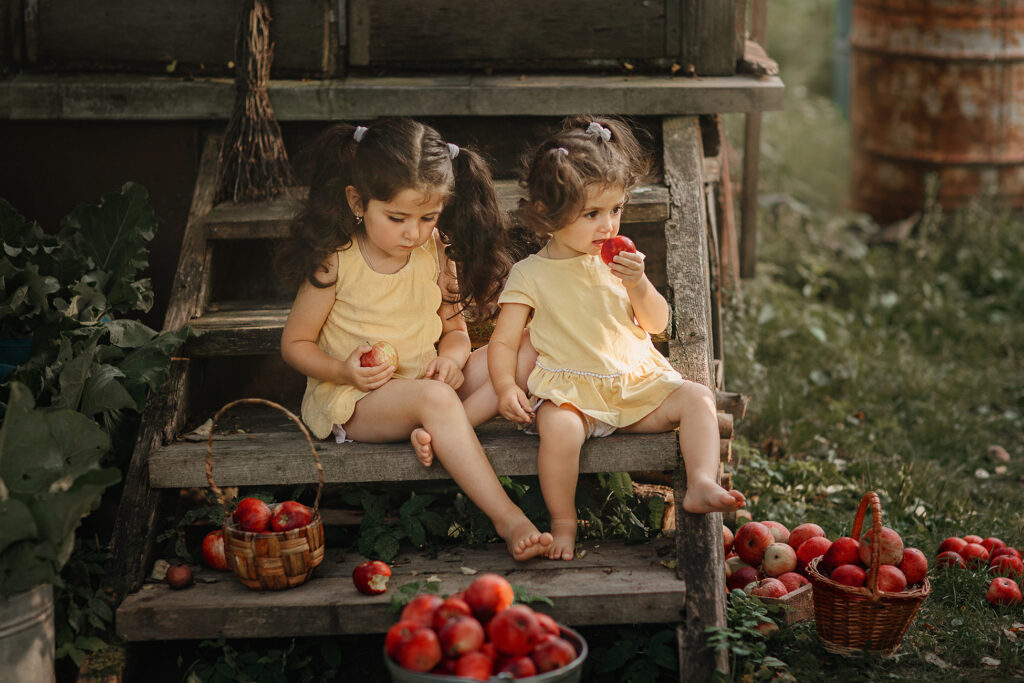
x=396 y=154
x=576 y=156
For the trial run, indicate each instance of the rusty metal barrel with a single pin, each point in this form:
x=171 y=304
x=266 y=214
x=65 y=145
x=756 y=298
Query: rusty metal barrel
x=937 y=87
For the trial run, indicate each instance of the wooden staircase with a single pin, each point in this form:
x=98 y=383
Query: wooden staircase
x=672 y=580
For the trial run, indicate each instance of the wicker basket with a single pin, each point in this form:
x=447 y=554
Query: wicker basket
x=271 y=560
x=853 y=620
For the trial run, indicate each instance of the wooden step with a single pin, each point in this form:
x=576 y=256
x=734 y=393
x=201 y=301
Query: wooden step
x=269 y=219
x=272 y=451
x=612 y=583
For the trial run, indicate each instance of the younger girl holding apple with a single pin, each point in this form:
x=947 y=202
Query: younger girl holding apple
x=590 y=321
x=400 y=233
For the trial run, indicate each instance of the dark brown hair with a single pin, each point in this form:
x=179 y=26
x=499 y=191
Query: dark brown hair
x=396 y=154
x=557 y=172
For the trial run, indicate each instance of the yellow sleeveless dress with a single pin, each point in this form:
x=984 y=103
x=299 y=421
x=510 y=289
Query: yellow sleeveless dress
x=400 y=308
x=591 y=352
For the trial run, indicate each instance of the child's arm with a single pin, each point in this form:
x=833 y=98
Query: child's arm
x=649 y=306
x=298 y=340
x=454 y=347
x=502 y=352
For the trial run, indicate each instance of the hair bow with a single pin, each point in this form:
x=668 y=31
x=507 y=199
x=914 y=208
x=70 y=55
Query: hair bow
x=563 y=150
x=453 y=151
x=360 y=133
x=596 y=127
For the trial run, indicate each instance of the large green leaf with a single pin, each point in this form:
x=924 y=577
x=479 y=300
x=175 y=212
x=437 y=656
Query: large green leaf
x=18 y=523
x=81 y=441
x=58 y=513
x=27 y=564
x=29 y=457
x=73 y=377
x=104 y=391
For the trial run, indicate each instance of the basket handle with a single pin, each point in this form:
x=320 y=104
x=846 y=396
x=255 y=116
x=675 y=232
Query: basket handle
x=291 y=416
x=871 y=498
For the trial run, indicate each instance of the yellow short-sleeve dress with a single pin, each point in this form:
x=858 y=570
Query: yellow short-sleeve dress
x=591 y=352
x=400 y=308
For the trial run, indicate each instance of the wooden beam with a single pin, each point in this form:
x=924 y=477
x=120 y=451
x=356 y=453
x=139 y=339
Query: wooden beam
x=709 y=37
x=751 y=159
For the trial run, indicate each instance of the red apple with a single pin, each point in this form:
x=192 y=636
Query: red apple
x=813 y=547
x=380 y=353
x=779 y=531
x=461 y=635
x=178 y=576
x=213 y=550
x=727 y=538
x=553 y=654
x=767 y=627
x=950 y=558
x=890 y=578
x=741 y=577
x=954 y=543
x=779 y=558
x=974 y=555
x=844 y=550
x=999 y=552
x=1007 y=565
x=732 y=564
x=290 y=515
x=451 y=608
x=792 y=581
x=991 y=543
x=613 y=245
x=751 y=541
x=890 y=546
x=744 y=515
x=515 y=631
x=803 y=532
x=519 y=667
x=421 y=609
x=973 y=538
x=1003 y=591
x=769 y=588
x=421 y=651
x=371 y=577
x=548 y=624
x=914 y=565
x=488 y=595
x=252 y=514
x=398 y=634
x=849 y=575
x=474 y=665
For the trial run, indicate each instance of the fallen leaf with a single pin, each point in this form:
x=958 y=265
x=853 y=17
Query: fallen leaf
x=1010 y=635
x=933 y=658
x=981 y=473
x=1001 y=469
x=467 y=571
x=990 y=661
x=433 y=578
x=581 y=554
x=999 y=453
x=200 y=433
x=159 y=570
x=668 y=564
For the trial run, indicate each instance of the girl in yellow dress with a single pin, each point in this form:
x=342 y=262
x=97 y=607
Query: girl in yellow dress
x=597 y=370
x=400 y=233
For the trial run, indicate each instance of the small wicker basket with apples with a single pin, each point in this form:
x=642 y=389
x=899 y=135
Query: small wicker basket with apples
x=271 y=548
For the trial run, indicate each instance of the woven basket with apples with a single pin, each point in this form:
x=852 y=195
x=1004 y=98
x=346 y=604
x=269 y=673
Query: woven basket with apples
x=270 y=548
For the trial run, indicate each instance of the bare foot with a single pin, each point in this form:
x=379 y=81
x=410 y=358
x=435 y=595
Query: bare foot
x=421 y=444
x=705 y=495
x=564 y=545
x=524 y=540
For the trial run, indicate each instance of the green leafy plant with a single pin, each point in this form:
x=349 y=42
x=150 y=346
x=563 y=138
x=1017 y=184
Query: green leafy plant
x=83 y=616
x=639 y=655
x=744 y=643
x=259 y=662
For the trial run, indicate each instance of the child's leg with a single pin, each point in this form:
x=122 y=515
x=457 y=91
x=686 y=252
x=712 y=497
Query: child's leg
x=692 y=409
x=391 y=412
x=562 y=433
x=477 y=392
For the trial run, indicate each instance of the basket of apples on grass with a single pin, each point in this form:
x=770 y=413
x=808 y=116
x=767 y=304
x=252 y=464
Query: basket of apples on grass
x=270 y=548
x=867 y=591
x=481 y=635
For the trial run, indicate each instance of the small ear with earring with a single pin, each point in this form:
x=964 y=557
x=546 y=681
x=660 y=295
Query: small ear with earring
x=359 y=218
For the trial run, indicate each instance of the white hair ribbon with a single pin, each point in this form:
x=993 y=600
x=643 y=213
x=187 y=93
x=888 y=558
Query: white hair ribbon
x=563 y=150
x=453 y=150
x=596 y=127
x=360 y=133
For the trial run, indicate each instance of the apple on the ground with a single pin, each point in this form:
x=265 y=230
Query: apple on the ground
x=1003 y=591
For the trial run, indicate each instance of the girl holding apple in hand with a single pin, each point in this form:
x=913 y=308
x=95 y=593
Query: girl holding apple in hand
x=400 y=233
x=590 y=322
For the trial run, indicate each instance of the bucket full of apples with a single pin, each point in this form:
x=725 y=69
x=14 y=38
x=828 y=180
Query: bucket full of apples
x=481 y=635
x=865 y=602
x=271 y=548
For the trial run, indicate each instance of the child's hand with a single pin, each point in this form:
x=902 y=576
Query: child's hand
x=514 y=405
x=364 y=379
x=446 y=370
x=628 y=267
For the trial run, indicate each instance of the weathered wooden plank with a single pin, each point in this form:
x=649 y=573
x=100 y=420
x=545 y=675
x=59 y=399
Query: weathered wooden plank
x=151 y=98
x=141 y=508
x=282 y=457
x=612 y=583
x=733 y=403
x=708 y=37
x=698 y=537
x=186 y=31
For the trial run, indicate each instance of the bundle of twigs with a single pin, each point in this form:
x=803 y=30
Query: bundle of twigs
x=253 y=160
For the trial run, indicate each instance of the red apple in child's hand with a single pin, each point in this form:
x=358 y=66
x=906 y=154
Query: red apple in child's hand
x=290 y=515
x=552 y=654
x=613 y=245
x=371 y=577
x=890 y=547
x=213 y=550
x=1003 y=591
x=252 y=514
x=380 y=353
x=914 y=565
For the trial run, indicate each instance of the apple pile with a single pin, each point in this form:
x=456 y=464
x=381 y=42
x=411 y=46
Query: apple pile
x=961 y=552
x=768 y=560
x=477 y=633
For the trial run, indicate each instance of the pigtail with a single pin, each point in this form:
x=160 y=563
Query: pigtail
x=476 y=231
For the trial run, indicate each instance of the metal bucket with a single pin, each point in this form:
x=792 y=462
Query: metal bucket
x=570 y=673
x=937 y=87
x=27 y=636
